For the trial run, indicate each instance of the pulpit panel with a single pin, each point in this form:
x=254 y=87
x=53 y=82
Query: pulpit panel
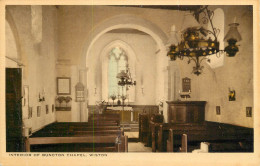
x=186 y=111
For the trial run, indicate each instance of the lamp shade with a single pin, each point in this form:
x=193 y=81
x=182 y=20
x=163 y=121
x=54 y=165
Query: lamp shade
x=233 y=33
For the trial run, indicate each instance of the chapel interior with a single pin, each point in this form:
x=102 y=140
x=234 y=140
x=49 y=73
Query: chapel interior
x=121 y=78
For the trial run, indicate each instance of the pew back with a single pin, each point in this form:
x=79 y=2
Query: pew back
x=117 y=146
x=105 y=117
x=80 y=136
x=221 y=137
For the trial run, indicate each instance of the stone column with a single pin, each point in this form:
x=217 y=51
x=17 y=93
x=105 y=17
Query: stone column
x=82 y=105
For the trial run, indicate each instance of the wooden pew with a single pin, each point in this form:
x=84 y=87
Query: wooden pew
x=59 y=126
x=155 y=119
x=143 y=127
x=67 y=129
x=221 y=137
x=112 y=117
x=154 y=128
x=91 y=136
x=103 y=139
x=160 y=133
x=101 y=133
x=146 y=122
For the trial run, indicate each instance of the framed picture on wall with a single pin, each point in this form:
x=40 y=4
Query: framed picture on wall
x=30 y=112
x=248 y=111
x=63 y=86
x=218 y=110
x=25 y=102
x=47 y=109
x=26 y=96
x=38 y=111
x=52 y=108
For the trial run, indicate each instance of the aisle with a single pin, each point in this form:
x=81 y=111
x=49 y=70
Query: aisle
x=132 y=132
x=138 y=147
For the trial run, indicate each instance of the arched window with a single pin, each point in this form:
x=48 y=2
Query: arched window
x=117 y=56
x=117 y=62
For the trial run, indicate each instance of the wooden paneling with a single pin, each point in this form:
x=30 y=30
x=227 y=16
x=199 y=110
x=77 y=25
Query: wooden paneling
x=186 y=111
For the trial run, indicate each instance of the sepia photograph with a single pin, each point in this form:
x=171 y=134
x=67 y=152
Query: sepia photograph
x=154 y=80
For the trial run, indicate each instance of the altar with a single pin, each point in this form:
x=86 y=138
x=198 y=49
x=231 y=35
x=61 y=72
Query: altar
x=127 y=114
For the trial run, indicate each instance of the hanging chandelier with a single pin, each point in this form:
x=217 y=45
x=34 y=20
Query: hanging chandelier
x=125 y=78
x=196 y=43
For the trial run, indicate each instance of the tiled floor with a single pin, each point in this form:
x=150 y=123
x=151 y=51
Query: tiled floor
x=138 y=147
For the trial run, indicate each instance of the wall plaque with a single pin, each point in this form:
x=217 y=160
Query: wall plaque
x=186 y=84
x=63 y=86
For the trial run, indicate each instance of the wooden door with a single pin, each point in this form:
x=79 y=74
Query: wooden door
x=14 y=138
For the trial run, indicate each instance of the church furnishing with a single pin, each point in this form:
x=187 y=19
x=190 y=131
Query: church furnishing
x=127 y=114
x=101 y=134
x=190 y=129
x=146 y=122
x=196 y=43
x=220 y=137
x=186 y=111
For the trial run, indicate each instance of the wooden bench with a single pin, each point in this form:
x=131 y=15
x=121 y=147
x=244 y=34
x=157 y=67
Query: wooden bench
x=83 y=139
x=106 y=117
x=143 y=127
x=92 y=136
x=102 y=133
x=160 y=133
x=68 y=128
x=221 y=138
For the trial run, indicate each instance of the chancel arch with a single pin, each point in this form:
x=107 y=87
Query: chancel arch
x=133 y=22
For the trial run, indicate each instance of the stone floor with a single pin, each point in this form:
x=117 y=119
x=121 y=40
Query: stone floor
x=138 y=147
x=132 y=134
x=134 y=145
x=131 y=130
